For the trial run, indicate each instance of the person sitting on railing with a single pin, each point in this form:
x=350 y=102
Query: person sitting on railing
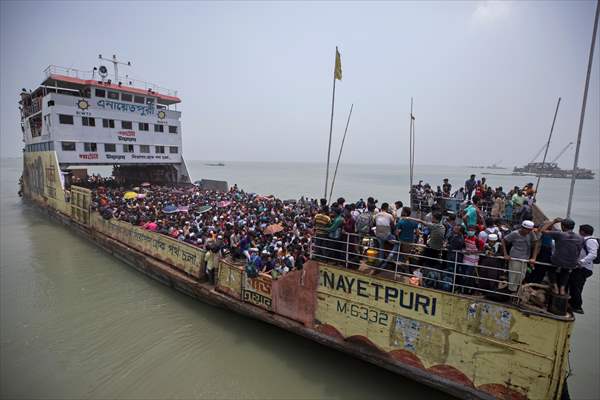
x=494 y=278
x=545 y=246
x=349 y=238
x=522 y=243
x=321 y=223
x=435 y=243
x=384 y=223
x=334 y=233
x=455 y=246
x=406 y=230
x=473 y=245
x=567 y=247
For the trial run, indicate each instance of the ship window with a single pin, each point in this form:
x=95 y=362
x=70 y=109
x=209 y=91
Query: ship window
x=158 y=128
x=65 y=119
x=126 y=125
x=68 y=146
x=173 y=149
x=89 y=147
x=144 y=148
x=110 y=147
x=100 y=93
x=50 y=103
x=126 y=97
x=138 y=99
x=113 y=95
x=108 y=123
x=159 y=149
x=127 y=148
x=88 y=121
x=143 y=126
x=172 y=129
x=150 y=101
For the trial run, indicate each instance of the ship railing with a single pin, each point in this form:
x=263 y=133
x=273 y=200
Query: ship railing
x=447 y=274
x=92 y=75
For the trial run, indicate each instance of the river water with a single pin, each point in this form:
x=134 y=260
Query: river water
x=78 y=323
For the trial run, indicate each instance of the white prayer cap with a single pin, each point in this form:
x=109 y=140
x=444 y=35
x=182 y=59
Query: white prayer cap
x=527 y=224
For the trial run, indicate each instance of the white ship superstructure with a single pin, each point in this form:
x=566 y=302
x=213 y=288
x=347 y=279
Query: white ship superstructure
x=88 y=119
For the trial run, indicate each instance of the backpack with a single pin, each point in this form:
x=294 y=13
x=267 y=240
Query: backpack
x=363 y=223
x=597 y=259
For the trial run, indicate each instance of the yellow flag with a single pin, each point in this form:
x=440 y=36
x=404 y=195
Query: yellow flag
x=337 y=73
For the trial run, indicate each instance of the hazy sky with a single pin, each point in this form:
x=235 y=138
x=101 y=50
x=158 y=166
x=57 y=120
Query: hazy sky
x=256 y=78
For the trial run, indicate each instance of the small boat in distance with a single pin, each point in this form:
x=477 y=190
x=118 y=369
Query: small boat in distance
x=219 y=164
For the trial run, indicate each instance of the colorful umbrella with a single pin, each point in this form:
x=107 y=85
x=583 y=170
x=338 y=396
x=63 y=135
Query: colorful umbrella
x=141 y=195
x=183 y=208
x=203 y=209
x=130 y=195
x=272 y=229
x=224 y=203
x=146 y=184
x=170 y=209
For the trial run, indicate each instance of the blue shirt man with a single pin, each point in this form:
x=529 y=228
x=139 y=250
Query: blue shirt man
x=407 y=228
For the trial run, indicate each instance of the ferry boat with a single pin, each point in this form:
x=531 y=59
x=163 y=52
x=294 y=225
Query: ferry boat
x=552 y=170
x=467 y=346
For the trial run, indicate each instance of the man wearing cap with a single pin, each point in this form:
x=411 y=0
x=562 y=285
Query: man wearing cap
x=522 y=243
x=567 y=247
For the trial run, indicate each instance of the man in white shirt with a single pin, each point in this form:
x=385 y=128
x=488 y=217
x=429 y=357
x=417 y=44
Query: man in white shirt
x=584 y=268
x=384 y=225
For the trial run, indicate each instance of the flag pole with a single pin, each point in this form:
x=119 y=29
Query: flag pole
x=582 y=116
x=330 y=125
x=340 y=154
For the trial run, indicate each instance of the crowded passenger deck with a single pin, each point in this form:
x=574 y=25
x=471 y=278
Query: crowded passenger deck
x=476 y=242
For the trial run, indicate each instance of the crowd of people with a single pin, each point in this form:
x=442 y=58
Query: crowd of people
x=513 y=207
x=445 y=248
x=270 y=235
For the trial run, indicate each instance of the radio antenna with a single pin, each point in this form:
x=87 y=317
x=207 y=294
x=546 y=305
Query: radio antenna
x=115 y=63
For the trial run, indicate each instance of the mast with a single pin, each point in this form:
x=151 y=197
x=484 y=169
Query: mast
x=411 y=145
x=340 y=154
x=582 y=116
x=537 y=184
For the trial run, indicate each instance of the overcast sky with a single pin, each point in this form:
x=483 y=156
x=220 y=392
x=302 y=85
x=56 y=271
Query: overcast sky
x=256 y=78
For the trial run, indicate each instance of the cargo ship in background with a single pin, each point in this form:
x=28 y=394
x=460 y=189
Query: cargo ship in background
x=551 y=169
x=467 y=346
